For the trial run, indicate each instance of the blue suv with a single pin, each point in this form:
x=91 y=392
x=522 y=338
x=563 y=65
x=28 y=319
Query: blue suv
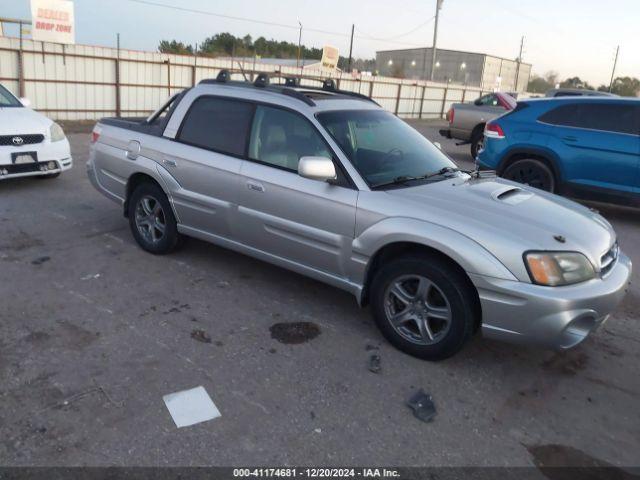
x=584 y=147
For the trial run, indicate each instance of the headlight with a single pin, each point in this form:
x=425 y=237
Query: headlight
x=56 y=132
x=558 y=268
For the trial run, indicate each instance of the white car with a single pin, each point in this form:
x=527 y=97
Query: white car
x=30 y=143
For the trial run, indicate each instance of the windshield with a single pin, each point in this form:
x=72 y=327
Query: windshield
x=383 y=148
x=8 y=100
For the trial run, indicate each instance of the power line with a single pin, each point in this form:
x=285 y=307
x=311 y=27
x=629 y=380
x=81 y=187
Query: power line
x=386 y=39
x=263 y=22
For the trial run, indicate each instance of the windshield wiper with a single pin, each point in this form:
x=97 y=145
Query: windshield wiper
x=442 y=171
x=397 y=181
x=407 y=178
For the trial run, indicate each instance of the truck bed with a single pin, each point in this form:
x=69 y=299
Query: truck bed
x=137 y=124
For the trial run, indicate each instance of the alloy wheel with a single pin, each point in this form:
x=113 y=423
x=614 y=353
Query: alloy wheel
x=417 y=309
x=150 y=219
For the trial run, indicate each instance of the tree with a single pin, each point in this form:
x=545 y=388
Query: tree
x=575 y=82
x=226 y=44
x=174 y=47
x=625 y=87
x=538 y=84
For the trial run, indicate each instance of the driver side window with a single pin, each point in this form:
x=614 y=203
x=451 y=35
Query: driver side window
x=489 y=100
x=280 y=138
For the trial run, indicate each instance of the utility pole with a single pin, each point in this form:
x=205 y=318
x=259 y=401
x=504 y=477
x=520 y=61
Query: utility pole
x=353 y=27
x=299 y=44
x=435 y=38
x=519 y=62
x=613 y=72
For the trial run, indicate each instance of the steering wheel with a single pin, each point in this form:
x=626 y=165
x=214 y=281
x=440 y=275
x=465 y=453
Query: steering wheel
x=394 y=152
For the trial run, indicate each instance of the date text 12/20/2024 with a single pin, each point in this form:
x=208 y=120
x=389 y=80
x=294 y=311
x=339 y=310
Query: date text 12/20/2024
x=316 y=473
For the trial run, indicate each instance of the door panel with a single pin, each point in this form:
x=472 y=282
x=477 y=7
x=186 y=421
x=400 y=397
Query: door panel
x=307 y=221
x=209 y=184
x=205 y=160
x=598 y=143
x=600 y=159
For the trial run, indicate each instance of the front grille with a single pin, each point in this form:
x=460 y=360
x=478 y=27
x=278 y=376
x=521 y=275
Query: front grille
x=22 y=168
x=19 y=140
x=608 y=260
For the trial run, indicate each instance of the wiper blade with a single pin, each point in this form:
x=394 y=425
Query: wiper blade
x=407 y=178
x=442 y=171
x=396 y=181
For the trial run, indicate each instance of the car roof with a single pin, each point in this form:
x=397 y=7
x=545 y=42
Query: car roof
x=580 y=99
x=579 y=92
x=288 y=94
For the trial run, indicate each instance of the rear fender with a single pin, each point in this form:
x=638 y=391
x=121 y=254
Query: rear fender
x=532 y=151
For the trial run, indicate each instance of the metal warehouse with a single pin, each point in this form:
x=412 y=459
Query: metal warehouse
x=466 y=68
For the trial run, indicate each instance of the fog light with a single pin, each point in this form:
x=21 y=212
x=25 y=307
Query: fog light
x=52 y=165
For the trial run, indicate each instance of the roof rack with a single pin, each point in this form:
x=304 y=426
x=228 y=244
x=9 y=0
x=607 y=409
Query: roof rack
x=289 y=88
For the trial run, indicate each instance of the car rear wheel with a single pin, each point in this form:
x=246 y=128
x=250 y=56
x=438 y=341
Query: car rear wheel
x=151 y=219
x=477 y=142
x=423 y=306
x=531 y=172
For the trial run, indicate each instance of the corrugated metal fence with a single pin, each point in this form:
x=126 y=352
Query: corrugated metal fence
x=79 y=82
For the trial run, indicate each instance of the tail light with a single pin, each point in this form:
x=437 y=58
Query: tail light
x=493 y=130
x=95 y=134
x=450 y=114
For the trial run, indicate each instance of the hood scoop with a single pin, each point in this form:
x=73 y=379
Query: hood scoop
x=511 y=195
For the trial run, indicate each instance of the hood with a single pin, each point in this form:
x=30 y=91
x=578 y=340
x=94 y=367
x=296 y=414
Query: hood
x=21 y=121
x=508 y=218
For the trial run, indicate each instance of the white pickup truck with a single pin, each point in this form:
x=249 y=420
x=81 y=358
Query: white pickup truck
x=467 y=120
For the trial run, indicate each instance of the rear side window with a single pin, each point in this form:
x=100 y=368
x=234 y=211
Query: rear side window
x=616 y=118
x=217 y=124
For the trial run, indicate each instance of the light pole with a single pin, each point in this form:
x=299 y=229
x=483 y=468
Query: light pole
x=299 y=44
x=435 y=38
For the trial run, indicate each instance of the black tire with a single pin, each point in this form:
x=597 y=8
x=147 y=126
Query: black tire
x=533 y=172
x=461 y=299
x=477 y=142
x=49 y=176
x=155 y=243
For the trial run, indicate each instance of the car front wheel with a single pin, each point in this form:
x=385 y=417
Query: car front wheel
x=151 y=219
x=424 y=306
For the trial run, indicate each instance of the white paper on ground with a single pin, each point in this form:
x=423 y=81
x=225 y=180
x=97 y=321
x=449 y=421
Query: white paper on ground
x=190 y=407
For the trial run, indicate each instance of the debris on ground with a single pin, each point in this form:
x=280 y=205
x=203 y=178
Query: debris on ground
x=374 y=363
x=370 y=347
x=422 y=405
x=40 y=260
x=201 y=336
x=91 y=276
x=294 y=332
x=189 y=407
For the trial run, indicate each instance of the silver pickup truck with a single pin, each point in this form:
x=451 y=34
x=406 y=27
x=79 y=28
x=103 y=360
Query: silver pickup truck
x=467 y=120
x=328 y=184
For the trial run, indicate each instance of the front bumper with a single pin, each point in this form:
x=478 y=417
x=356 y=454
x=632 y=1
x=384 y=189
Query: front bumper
x=552 y=317
x=57 y=152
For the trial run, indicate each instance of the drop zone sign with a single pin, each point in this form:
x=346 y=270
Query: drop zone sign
x=52 y=21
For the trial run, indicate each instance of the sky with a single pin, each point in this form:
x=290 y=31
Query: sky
x=571 y=37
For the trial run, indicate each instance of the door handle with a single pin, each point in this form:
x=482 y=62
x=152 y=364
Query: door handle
x=256 y=187
x=169 y=162
x=570 y=138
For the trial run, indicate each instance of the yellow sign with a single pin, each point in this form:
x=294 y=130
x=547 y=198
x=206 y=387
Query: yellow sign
x=330 y=57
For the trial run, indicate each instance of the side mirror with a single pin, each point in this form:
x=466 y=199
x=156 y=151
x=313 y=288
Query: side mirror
x=25 y=102
x=317 y=168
